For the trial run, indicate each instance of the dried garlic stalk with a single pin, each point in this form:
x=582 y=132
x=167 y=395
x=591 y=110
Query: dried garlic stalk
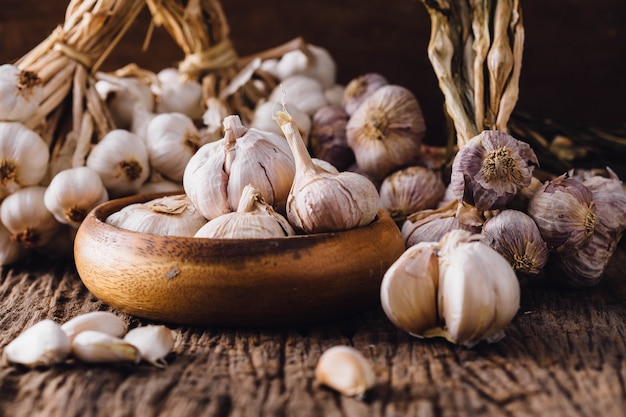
x=476 y=52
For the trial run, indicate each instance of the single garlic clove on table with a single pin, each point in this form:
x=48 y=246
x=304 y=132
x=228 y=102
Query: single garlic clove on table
x=42 y=344
x=346 y=370
x=153 y=341
x=102 y=321
x=95 y=346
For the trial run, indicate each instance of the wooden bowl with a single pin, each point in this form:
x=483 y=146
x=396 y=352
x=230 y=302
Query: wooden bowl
x=234 y=282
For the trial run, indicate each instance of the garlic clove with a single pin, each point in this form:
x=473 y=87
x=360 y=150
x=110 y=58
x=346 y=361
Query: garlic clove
x=346 y=370
x=99 y=347
x=102 y=321
x=42 y=344
x=386 y=131
x=360 y=88
x=408 y=292
x=154 y=343
x=21 y=93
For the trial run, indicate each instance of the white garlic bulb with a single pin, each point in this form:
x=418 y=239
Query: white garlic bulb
x=72 y=194
x=154 y=342
x=42 y=344
x=121 y=160
x=360 y=88
x=322 y=201
x=173 y=215
x=177 y=94
x=304 y=92
x=264 y=119
x=172 y=139
x=312 y=61
x=21 y=93
x=457 y=288
x=254 y=219
x=217 y=174
x=27 y=219
x=386 y=131
x=124 y=96
x=10 y=250
x=23 y=157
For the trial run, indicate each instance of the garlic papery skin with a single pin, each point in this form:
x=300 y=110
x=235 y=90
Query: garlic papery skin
x=386 y=131
x=304 y=92
x=10 y=250
x=172 y=139
x=479 y=292
x=263 y=119
x=216 y=175
x=321 y=201
x=102 y=321
x=73 y=193
x=328 y=137
x=27 y=219
x=180 y=95
x=515 y=235
x=21 y=93
x=345 y=370
x=173 y=215
x=359 y=89
x=408 y=292
x=24 y=157
x=565 y=213
x=254 y=219
x=491 y=169
x=42 y=344
x=409 y=190
x=154 y=343
x=121 y=159
x=312 y=61
x=92 y=346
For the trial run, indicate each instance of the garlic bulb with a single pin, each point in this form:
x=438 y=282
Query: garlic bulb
x=334 y=95
x=458 y=288
x=21 y=93
x=328 y=137
x=121 y=160
x=42 y=344
x=264 y=119
x=386 y=131
x=321 y=201
x=165 y=216
x=491 y=168
x=124 y=96
x=359 y=89
x=154 y=342
x=177 y=94
x=27 y=219
x=304 y=92
x=346 y=370
x=515 y=235
x=254 y=219
x=172 y=139
x=217 y=174
x=23 y=157
x=565 y=213
x=72 y=194
x=10 y=250
x=409 y=190
x=312 y=61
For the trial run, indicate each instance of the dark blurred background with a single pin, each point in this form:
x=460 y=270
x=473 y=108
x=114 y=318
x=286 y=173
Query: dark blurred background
x=573 y=68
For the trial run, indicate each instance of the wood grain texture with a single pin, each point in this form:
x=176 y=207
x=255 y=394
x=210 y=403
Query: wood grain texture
x=564 y=355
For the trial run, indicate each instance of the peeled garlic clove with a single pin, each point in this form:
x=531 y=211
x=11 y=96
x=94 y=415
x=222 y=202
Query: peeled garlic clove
x=408 y=292
x=102 y=321
x=121 y=160
x=515 y=235
x=321 y=201
x=346 y=370
x=42 y=344
x=73 y=193
x=216 y=175
x=479 y=293
x=99 y=347
x=565 y=213
x=173 y=215
x=409 y=190
x=25 y=216
x=360 y=88
x=254 y=219
x=386 y=131
x=23 y=157
x=491 y=169
x=172 y=139
x=21 y=93
x=328 y=137
x=154 y=342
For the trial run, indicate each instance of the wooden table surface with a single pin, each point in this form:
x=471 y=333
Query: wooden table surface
x=564 y=353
